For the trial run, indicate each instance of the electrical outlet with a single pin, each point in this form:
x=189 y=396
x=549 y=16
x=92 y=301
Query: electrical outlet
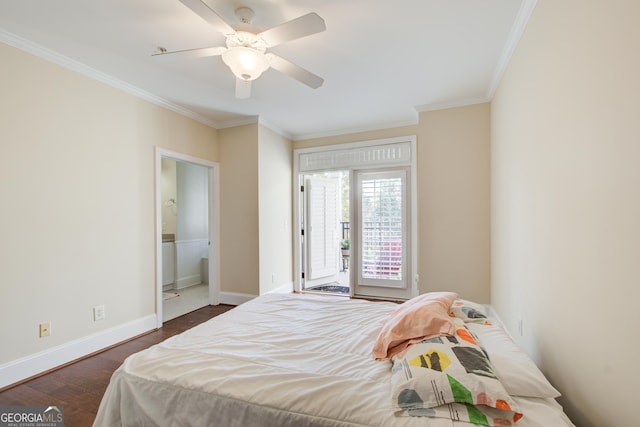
x=98 y=313
x=45 y=329
x=520 y=327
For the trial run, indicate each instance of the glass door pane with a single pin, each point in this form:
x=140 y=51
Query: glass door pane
x=382 y=233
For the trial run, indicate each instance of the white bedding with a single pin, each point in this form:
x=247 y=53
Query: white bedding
x=278 y=360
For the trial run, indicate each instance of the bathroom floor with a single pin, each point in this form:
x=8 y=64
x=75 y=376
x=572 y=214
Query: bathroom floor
x=189 y=299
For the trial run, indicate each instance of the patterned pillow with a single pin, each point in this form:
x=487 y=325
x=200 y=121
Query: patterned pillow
x=451 y=377
x=469 y=311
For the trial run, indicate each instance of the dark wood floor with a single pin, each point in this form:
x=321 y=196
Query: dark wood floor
x=79 y=387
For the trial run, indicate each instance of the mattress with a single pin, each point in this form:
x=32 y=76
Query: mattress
x=278 y=360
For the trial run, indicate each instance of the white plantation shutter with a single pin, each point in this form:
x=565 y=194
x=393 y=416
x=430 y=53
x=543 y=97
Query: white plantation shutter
x=382 y=226
x=322 y=234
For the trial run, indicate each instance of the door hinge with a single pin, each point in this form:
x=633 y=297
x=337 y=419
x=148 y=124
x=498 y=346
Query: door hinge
x=303 y=274
x=302 y=188
x=302 y=232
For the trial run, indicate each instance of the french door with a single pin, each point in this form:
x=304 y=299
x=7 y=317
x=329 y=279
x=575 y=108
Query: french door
x=321 y=206
x=382 y=233
x=377 y=205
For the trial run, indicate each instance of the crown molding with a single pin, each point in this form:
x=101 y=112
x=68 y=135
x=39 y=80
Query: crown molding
x=366 y=128
x=250 y=120
x=452 y=104
x=238 y=121
x=73 y=65
x=519 y=25
x=275 y=128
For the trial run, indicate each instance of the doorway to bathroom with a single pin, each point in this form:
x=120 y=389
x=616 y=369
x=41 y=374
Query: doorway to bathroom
x=187 y=230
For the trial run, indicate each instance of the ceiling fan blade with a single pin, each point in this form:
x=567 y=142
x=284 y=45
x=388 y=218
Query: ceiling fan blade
x=203 y=10
x=303 y=26
x=196 y=53
x=295 y=71
x=243 y=88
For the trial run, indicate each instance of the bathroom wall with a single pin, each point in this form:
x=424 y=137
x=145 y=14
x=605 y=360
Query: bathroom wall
x=168 y=193
x=192 y=228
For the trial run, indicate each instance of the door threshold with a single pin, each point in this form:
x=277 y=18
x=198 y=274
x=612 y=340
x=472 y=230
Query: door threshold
x=328 y=293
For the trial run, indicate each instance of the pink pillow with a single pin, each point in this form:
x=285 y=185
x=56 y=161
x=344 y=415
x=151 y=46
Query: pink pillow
x=424 y=316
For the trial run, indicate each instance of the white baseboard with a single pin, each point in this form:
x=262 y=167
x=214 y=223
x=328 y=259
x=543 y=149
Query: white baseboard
x=185 y=282
x=234 y=298
x=287 y=288
x=34 y=364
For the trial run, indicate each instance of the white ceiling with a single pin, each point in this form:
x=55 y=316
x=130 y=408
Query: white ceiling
x=382 y=61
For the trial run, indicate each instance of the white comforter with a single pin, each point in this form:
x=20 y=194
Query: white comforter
x=279 y=360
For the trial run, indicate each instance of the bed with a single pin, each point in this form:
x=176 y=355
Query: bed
x=292 y=360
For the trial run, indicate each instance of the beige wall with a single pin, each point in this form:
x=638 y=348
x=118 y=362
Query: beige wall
x=453 y=201
x=275 y=204
x=453 y=197
x=256 y=210
x=77 y=192
x=566 y=206
x=239 y=246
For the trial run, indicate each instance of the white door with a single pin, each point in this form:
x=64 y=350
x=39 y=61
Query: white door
x=322 y=257
x=382 y=234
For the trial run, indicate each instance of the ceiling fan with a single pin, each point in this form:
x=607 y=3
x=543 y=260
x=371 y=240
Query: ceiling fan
x=245 y=52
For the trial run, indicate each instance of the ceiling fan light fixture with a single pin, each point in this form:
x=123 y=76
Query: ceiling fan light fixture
x=246 y=63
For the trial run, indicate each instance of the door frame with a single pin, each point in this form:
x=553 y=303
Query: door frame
x=214 y=224
x=411 y=162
